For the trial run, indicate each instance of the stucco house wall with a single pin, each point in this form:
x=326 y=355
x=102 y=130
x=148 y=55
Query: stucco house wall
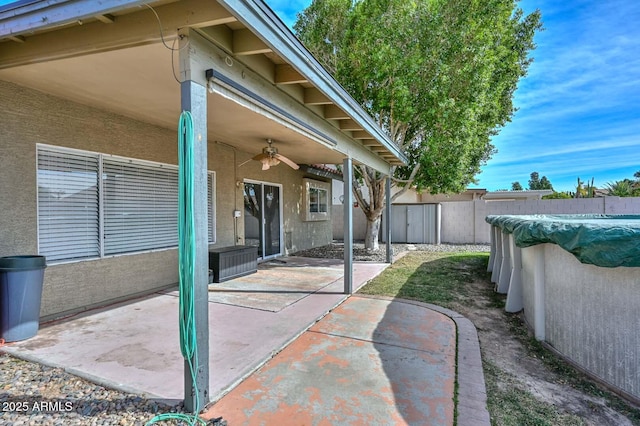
x=32 y=118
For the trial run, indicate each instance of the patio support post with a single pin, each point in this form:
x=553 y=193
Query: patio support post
x=347 y=171
x=387 y=212
x=194 y=99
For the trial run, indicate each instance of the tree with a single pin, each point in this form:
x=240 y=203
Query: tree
x=515 y=186
x=588 y=191
x=536 y=183
x=438 y=76
x=564 y=195
x=622 y=188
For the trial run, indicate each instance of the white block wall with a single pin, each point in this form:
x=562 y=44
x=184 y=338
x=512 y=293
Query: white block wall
x=463 y=221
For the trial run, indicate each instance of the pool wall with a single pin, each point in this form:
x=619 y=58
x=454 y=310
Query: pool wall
x=589 y=314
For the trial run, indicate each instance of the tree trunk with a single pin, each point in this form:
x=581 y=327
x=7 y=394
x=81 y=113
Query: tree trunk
x=374 y=204
x=371 y=237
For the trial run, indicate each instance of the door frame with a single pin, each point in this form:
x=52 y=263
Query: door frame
x=262 y=219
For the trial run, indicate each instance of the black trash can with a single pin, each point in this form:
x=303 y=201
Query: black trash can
x=20 y=295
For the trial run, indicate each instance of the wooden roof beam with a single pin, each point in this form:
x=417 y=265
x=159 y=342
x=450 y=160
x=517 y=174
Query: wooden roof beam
x=247 y=43
x=333 y=112
x=361 y=134
x=286 y=74
x=221 y=35
x=313 y=96
x=349 y=125
x=106 y=18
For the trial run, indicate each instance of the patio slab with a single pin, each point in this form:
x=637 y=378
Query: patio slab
x=279 y=284
x=134 y=346
x=369 y=361
x=321 y=359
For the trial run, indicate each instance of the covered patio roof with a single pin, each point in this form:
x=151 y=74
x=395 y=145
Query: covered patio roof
x=123 y=56
x=233 y=65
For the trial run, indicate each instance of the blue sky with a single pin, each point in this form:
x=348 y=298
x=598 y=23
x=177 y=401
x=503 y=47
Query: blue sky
x=579 y=107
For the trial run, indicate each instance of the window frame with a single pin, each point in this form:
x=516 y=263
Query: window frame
x=312 y=185
x=211 y=200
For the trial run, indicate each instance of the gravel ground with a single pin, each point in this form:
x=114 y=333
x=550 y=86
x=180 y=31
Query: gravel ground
x=34 y=394
x=336 y=250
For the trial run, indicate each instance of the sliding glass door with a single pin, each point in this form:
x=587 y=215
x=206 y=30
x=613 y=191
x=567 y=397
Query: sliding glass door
x=263 y=218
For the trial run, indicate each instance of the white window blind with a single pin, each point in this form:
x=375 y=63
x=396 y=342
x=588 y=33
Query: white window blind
x=211 y=194
x=140 y=206
x=68 y=210
x=135 y=204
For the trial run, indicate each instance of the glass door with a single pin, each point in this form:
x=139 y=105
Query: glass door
x=263 y=218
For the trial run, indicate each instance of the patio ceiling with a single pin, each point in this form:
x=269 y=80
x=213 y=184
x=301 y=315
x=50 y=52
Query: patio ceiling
x=121 y=62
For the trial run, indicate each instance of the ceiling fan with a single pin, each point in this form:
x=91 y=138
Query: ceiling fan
x=270 y=157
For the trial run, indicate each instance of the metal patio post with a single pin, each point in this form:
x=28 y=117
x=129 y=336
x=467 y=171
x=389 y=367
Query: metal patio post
x=193 y=94
x=347 y=171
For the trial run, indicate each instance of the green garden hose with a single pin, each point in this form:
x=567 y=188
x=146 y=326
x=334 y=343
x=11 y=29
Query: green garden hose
x=186 y=263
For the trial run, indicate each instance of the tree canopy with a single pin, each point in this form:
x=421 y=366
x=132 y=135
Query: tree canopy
x=438 y=76
x=536 y=182
x=626 y=187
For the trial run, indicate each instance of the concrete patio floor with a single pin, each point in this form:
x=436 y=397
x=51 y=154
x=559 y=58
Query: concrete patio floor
x=286 y=347
x=135 y=345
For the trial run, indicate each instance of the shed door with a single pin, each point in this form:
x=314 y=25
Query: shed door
x=416 y=224
x=398 y=223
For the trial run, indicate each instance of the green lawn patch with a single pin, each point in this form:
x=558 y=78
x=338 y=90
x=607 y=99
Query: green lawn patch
x=433 y=277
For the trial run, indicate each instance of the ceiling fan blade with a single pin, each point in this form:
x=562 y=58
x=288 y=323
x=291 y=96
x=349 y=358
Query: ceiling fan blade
x=288 y=162
x=260 y=156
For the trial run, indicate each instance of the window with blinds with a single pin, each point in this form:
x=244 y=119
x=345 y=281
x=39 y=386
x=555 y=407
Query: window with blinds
x=211 y=200
x=134 y=203
x=68 y=209
x=140 y=206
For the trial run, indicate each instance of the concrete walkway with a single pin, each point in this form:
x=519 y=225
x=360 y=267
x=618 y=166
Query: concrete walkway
x=368 y=361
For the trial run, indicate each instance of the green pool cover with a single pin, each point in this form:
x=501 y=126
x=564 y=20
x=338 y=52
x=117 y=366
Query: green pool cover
x=596 y=239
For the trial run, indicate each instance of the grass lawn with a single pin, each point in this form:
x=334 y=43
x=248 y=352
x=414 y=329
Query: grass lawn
x=459 y=281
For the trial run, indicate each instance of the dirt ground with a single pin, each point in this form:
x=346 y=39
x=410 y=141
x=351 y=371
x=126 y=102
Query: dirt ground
x=505 y=343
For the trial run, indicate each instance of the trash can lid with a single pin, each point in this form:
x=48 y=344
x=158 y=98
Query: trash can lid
x=21 y=263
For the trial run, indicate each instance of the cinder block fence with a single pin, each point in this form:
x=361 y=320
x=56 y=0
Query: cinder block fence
x=462 y=222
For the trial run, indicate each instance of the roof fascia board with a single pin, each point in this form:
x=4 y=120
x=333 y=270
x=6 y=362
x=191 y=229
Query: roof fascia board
x=255 y=14
x=47 y=14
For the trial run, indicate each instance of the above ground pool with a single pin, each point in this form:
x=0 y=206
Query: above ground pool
x=577 y=280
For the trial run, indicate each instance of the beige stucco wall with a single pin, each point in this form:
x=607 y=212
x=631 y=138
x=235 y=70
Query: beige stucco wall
x=298 y=234
x=32 y=117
